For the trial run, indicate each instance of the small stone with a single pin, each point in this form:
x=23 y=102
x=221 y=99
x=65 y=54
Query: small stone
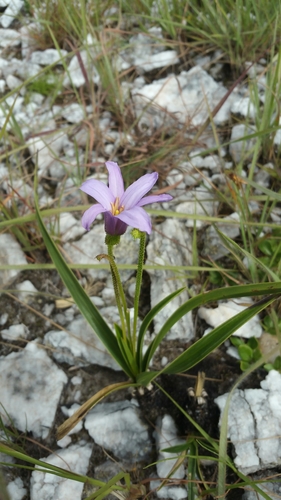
x=243 y=149
x=48 y=486
x=257 y=443
x=15 y=332
x=9 y=38
x=244 y=107
x=226 y=310
x=16 y=489
x=10 y=254
x=27 y=291
x=175 y=250
x=75 y=74
x=48 y=56
x=73 y=113
x=30 y=381
x=213 y=244
x=11 y=12
x=118 y=427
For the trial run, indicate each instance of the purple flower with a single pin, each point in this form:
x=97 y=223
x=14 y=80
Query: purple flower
x=121 y=208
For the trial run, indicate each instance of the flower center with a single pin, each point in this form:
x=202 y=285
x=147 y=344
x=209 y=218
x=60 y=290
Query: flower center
x=116 y=209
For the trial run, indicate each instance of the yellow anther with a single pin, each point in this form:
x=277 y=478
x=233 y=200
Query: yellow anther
x=115 y=209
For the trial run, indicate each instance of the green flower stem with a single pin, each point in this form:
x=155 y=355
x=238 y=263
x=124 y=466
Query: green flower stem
x=120 y=296
x=142 y=238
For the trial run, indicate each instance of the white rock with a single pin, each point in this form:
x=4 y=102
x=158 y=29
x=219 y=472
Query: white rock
x=11 y=12
x=9 y=38
x=64 y=442
x=174 y=250
x=262 y=176
x=25 y=70
x=13 y=82
x=68 y=412
x=75 y=74
x=254 y=425
x=200 y=201
x=15 y=331
x=2 y=86
x=45 y=149
x=48 y=486
x=48 y=56
x=27 y=291
x=166 y=436
x=93 y=243
x=117 y=427
x=229 y=309
x=30 y=382
x=189 y=96
x=145 y=52
x=68 y=227
x=16 y=489
x=277 y=136
x=242 y=150
x=244 y=107
x=79 y=347
x=213 y=245
x=4 y=318
x=73 y=113
x=10 y=254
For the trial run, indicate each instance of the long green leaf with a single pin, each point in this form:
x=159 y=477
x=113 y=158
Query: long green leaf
x=83 y=302
x=252 y=290
x=203 y=347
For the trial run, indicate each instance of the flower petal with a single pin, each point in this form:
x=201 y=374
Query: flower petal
x=137 y=190
x=136 y=217
x=99 y=191
x=115 y=179
x=113 y=225
x=90 y=215
x=156 y=198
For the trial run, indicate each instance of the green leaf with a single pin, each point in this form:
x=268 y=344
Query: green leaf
x=236 y=341
x=266 y=247
x=277 y=363
x=245 y=352
x=214 y=295
x=253 y=343
x=203 y=347
x=244 y=365
x=83 y=302
x=268 y=367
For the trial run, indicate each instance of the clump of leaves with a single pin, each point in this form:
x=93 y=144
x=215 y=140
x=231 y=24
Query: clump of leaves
x=249 y=351
x=45 y=84
x=270 y=247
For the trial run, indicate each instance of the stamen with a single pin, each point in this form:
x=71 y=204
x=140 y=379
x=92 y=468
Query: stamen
x=115 y=209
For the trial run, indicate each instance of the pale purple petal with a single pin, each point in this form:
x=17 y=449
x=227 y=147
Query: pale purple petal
x=113 y=225
x=90 y=215
x=136 y=217
x=115 y=179
x=154 y=198
x=99 y=191
x=137 y=190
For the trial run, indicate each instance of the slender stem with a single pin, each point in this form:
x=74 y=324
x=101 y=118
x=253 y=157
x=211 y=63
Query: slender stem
x=120 y=295
x=138 y=286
